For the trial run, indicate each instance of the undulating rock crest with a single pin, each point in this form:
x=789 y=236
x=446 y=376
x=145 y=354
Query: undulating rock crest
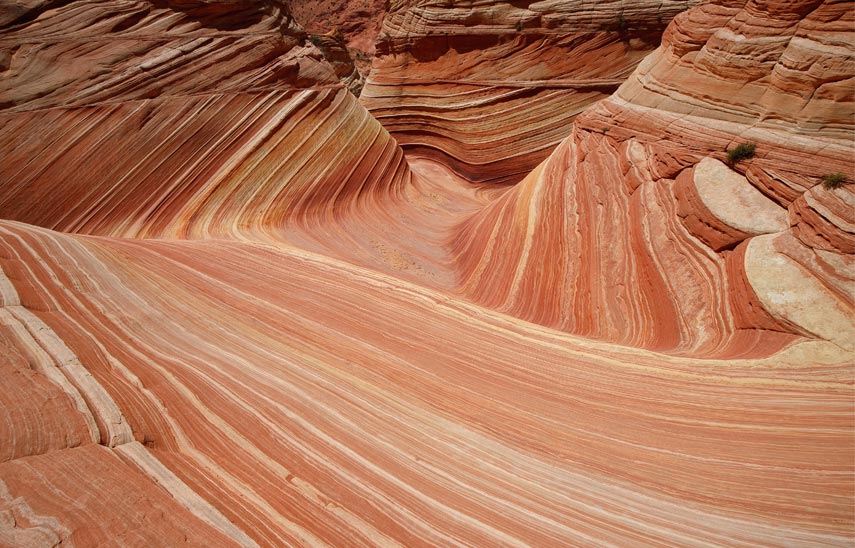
x=233 y=313
x=490 y=88
x=652 y=239
x=178 y=119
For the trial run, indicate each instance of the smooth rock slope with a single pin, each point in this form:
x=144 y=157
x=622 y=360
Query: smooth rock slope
x=234 y=312
x=643 y=228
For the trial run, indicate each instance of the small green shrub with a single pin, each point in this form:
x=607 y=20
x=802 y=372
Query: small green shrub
x=742 y=151
x=519 y=26
x=833 y=180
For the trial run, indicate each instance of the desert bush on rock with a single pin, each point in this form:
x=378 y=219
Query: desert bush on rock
x=833 y=180
x=742 y=151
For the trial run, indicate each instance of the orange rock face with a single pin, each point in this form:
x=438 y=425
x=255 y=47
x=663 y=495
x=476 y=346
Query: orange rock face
x=234 y=312
x=491 y=88
x=633 y=206
x=186 y=129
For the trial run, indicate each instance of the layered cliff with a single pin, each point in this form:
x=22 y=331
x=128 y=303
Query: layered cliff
x=490 y=88
x=179 y=119
x=233 y=312
x=651 y=238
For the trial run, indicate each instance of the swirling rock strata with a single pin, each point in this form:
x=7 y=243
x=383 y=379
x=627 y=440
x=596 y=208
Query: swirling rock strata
x=617 y=219
x=204 y=355
x=720 y=206
x=316 y=402
x=214 y=118
x=490 y=88
x=91 y=496
x=136 y=50
x=196 y=165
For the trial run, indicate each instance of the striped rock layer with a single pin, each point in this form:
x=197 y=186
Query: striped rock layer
x=233 y=313
x=490 y=88
x=635 y=230
x=311 y=402
x=179 y=121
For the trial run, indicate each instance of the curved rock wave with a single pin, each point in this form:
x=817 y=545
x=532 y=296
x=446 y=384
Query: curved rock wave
x=634 y=217
x=315 y=402
x=491 y=88
x=201 y=165
x=235 y=313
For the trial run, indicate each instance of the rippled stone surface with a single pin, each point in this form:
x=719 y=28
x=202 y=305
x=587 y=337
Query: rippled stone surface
x=234 y=312
x=490 y=88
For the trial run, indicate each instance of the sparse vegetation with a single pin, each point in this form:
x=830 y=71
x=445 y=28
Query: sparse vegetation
x=833 y=180
x=519 y=26
x=742 y=151
x=621 y=23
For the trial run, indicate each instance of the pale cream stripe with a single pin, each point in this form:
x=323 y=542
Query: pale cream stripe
x=60 y=365
x=214 y=470
x=43 y=363
x=534 y=197
x=40 y=360
x=99 y=401
x=186 y=497
x=35 y=530
x=8 y=295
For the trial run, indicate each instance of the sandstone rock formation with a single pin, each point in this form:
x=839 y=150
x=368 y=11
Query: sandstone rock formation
x=170 y=118
x=634 y=207
x=335 y=51
x=355 y=24
x=234 y=313
x=311 y=404
x=490 y=88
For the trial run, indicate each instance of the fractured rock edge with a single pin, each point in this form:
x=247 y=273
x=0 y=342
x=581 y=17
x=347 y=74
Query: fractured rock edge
x=52 y=358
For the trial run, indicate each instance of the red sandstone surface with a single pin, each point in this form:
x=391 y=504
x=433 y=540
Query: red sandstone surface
x=345 y=30
x=357 y=21
x=237 y=312
x=490 y=88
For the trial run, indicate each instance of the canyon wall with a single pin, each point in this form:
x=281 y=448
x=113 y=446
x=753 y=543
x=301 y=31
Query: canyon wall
x=234 y=312
x=651 y=237
x=353 y=25
x=180 y=119
x=490 y=88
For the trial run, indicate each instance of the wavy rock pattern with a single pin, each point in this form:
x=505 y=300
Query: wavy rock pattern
x=490 y=88
x=209 y=165
x=210 y=155
x=90 y=496
x=130 y=50
x=321 y=404
x=234 y=314
x=625 y=211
